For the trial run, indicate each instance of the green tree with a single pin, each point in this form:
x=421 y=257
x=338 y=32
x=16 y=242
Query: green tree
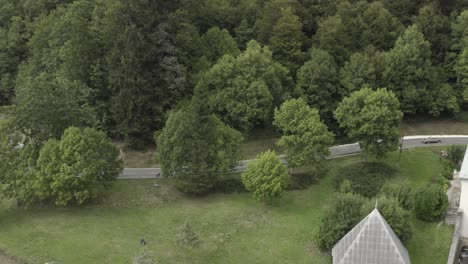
x=45 y=108
x=398 y=218
x=268 y=18
x=461 y=69
x=401 y=192
x=196 y=148
x=430 y=202
x=344 y=213
x=435 y=27
x=360 y=71
x=305 y=137
x=286 y=41
x=408 y=71
x=356 y=26
x=317 y=81
x=17 y=162
x=460 y=32
x=371 y=117
x=242 y=90
x=218 y=42
x=244 y=33
x=73 y=169
x=266 y=177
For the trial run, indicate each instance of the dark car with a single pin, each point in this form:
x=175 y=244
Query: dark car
x=463 y=258
x=430 y=140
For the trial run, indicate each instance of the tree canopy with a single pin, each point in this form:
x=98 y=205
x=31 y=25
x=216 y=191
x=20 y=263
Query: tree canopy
x=371 y=117
x=197 y=149
x=305 y=137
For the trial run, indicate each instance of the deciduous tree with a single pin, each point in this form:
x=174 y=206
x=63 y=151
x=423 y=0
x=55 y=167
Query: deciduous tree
x=371 y=117
x=72 y=169
x=242 y=90
x=266 y=177
x=305 y=137
x=197 y=148
x=317 y=81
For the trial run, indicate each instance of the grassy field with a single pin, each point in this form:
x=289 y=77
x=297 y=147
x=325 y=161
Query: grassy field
x=233 y=228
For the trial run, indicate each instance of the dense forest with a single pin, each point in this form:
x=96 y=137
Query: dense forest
x=121 y=66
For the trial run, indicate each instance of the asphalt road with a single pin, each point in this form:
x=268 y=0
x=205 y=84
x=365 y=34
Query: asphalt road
x=336 y=152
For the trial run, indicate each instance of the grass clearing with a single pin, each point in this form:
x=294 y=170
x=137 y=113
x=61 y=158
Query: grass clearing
x=233 y=228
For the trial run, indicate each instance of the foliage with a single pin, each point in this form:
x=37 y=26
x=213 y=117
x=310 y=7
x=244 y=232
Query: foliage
x=186 y=236
x=408 y=71
x=72 y=170
x=17 y=162
x=430 y=202
x=372 y=117
x=402 y=192
x=317 y=81
x=355 y=27
x=266 y=177
x=447 y=169
x=286 y=41
x=461 y=69
x=456 y=153
x=398 y=218
x=197 y=148
x=436 y=27
x=339 y=219
x=243 y=90
x=305 y=138
x=45 y=108
x=216 y=43
x=366 y=178
x=360 y=71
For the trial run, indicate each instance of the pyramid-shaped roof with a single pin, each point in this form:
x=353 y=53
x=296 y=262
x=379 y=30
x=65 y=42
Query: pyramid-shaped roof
x=372 y=241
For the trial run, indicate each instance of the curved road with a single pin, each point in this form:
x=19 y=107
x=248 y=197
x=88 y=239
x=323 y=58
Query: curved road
x=336 y=152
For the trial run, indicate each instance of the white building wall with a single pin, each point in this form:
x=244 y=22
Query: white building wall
x=464 y=207
x=464 y=195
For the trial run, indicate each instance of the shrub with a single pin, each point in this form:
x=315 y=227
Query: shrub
x=456 y=154
x=266 y=177
x=447 y=169
x=401 y=192
x=186 y=236
x=366 y=178
x=430 y=202
x=345 y=212
x=398 y=218
x=346 y=187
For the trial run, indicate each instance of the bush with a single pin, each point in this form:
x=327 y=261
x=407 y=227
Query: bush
x=447 y=169
x=456 y=154
x=345 y=212
x=366 y=178
x=401 y=192
x=266 y=177
x=430 y=202
x=398 y=218
x=186 y=236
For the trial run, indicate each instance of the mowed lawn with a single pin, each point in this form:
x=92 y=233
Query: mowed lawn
x=233 y=228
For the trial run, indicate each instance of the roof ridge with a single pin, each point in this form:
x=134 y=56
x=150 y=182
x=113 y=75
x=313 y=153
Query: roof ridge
x=355 y=239
x=384 y=222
